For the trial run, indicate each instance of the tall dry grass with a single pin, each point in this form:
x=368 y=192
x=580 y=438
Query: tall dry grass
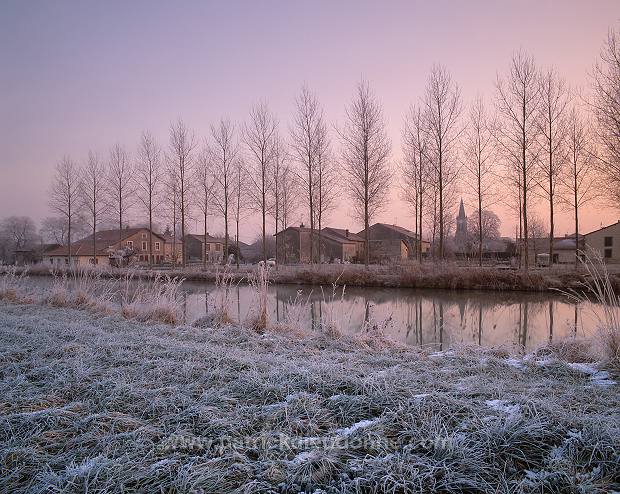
x=12 y=285
x=81 y=288
x=600 y=287
x=159 y=300
x=259 y=317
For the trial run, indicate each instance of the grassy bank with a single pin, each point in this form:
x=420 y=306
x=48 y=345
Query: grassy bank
x=435 y=276
x=94 y=403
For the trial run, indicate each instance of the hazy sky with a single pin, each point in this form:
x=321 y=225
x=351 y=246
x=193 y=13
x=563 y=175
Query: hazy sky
x=76 y=76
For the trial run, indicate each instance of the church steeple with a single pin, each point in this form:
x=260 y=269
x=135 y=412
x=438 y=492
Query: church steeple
x=460 y=238
x=462 y=210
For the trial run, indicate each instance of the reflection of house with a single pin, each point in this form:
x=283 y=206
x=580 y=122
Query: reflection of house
x=392 y=242
x=606 y=242
x=195 y=248
x=111 y=247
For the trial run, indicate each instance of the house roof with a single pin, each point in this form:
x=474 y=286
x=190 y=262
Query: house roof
x=201 y=238
x=604 y=228
x=104 y=239
x=559 y=243
x=335 y=234
x=398 y=229
x=345 y=234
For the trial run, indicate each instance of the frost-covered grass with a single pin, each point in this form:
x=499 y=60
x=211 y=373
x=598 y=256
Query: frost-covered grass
x=95 y=403
x=601 y=286
x=158 y=300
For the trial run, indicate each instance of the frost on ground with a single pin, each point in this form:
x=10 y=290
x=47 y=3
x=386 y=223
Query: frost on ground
x=92 y=403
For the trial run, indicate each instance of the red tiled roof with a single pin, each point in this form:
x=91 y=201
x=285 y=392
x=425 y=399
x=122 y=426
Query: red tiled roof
x=104 y=239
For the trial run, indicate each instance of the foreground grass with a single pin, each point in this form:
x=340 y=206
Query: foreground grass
x=92 y=403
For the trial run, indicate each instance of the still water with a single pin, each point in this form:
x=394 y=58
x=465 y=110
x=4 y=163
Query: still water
x=437 y=319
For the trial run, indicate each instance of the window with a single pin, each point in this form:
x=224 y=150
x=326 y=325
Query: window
x=130 y=244
x=607 y=253
x=144 y=235
x=157 y=245
x=609 y=241
x=218 y=247
x=143 y=245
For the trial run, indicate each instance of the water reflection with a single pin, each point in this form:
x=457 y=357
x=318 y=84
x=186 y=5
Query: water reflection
x=427 y=318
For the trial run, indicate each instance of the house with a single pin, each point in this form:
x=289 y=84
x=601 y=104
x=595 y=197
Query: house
x=195 y=248
x=293 y=245
x=336 y=245
x=392 y=242
x=606 y=242
x=115 y=247
x=502 y=248
x=346 y=237
x=173 y=247
x=563 y=249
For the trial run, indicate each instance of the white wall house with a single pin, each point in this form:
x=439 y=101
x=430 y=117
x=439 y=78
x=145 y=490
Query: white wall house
x=606 y=242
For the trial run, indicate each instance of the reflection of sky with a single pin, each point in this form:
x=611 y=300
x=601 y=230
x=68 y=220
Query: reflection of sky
x=77 y=75
x=437 y=319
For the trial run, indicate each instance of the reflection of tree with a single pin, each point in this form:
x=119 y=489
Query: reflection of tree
x=423 y=317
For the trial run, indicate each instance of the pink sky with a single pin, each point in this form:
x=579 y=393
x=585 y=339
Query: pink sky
x=76 y=76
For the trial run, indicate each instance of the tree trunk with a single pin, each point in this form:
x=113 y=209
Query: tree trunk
x=576 y=201
x=150 y=227
x=204 y=247
x=237 y=241
x=526 y=264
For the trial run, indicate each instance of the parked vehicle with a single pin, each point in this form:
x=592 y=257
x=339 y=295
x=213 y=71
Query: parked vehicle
x=270 y=262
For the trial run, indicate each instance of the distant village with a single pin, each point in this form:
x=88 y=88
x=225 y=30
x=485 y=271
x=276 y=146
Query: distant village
x=388 y=243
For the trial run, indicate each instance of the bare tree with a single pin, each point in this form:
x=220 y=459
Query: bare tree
x=308 y=116
x=551 y=122
x=442 y=109
x=64 y=195
x=479 y=164
x=414 y=169
x=206 y=190
x=54 y=229
x=20 y=230
x=260 y=137
x=365 y=158
x=171 y=200
x=579 y=181
x=606 y=107
x=121 y=185
x=224 y=153
x=538 y=230
x=93 y=193
x=325 y=183
x=286 y=189
x=239 y=200
x=181 y=148
x=483 y=226
x=148 y=175
x=517 y=103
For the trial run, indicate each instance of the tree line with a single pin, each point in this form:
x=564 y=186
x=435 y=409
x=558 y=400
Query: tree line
x=536 y=140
